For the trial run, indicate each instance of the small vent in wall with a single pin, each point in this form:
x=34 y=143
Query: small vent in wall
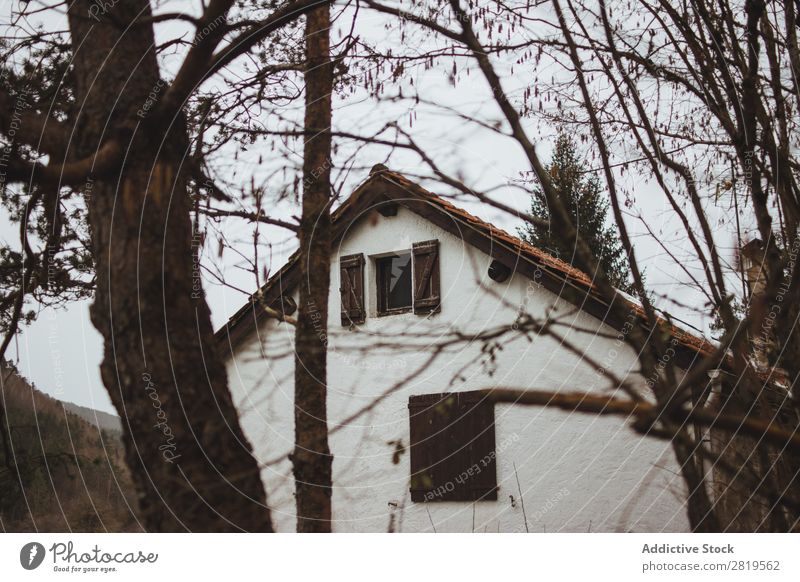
x=499 y=272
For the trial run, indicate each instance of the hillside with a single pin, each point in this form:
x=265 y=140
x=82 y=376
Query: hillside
x=98 y=418
x=66 y=470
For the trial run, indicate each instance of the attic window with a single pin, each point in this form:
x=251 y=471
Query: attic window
x=394 y=283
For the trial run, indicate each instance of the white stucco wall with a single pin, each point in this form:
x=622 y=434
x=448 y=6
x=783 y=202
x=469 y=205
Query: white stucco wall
x=576 y=472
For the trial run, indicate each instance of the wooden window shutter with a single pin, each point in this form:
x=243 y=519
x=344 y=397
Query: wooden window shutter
x=351 y=289
x=427 y=296
x=452 y=447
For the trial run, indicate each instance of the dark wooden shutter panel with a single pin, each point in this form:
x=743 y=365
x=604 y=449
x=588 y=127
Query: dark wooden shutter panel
x=452 y=447
x=351 y=290
x=479 y=414
x=427 y=296
x=428 y=415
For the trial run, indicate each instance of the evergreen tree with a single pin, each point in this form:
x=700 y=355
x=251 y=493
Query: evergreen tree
x=588 y=207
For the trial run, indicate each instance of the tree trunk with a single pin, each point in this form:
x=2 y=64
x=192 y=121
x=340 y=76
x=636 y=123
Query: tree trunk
x=191 y=464
x=699 y=509
x=312 y=460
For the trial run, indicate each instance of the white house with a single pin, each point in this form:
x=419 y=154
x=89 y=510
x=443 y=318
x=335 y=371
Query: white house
x=420 y=290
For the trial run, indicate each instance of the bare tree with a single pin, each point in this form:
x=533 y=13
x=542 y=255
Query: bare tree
x=123 y=145
x=699 y=96
x=312 y=459
x=681 y=86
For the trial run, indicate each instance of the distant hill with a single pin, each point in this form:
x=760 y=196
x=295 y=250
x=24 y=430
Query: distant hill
x=104 y=420
x=64 y=470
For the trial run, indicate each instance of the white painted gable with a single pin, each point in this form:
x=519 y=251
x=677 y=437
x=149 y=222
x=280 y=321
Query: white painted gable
x=570 y=471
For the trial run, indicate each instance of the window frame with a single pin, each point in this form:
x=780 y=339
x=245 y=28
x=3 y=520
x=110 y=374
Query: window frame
x=381 y=290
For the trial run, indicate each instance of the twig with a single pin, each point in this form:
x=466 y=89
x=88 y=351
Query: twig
x=430 y=518
x=521 y=499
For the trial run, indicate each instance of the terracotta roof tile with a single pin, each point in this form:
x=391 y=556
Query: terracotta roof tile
x=535 y=254
x=683 y=337
x=575 y=275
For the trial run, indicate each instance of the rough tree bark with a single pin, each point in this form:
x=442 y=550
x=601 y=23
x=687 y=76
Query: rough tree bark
x=191 y=464
x=312 y=459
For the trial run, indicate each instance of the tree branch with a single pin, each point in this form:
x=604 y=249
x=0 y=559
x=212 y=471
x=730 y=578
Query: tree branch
x=41 y=133
x=646 y=413
x=201 y=63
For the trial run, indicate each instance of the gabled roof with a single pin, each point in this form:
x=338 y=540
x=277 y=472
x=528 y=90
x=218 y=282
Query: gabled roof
x=384 y=187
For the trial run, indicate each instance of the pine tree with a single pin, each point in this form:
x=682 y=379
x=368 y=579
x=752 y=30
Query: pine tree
x=583 y=197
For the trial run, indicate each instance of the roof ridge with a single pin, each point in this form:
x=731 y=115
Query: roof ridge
x=560 y=263
x=572 y=272
x=538 y=256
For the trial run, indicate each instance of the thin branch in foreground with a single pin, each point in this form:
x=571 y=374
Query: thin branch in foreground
x=644 y=412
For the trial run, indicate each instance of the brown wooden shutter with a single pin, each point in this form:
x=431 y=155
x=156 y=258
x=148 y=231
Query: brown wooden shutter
x=427 y=296
x=478 y=415
x=452 y=447
x=351 y=289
